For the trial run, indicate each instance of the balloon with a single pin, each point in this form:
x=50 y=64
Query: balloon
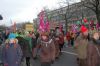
x=78 y=22
x=85 y=20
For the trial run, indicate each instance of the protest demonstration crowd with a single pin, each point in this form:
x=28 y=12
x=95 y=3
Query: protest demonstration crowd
x=46 y=45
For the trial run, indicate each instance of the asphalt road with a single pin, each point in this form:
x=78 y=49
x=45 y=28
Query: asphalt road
x=68 y=58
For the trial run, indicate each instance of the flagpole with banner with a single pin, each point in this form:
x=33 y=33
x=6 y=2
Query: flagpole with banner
x=14 y=27
x=41 y=17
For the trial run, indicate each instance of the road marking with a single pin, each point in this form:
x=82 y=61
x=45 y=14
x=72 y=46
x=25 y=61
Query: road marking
x=69 y=53
x=68 y=47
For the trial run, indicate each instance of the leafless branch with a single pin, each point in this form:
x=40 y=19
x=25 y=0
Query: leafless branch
x=89 y=5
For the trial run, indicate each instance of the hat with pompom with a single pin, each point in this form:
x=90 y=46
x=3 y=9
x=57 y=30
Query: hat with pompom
x=11 y=36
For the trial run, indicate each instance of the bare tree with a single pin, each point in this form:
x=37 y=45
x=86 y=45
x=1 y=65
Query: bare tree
x=68 y=14
x=94 y=5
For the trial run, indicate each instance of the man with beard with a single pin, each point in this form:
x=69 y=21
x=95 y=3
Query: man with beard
x=81 y=44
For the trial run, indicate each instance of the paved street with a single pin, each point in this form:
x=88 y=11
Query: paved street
x=68 y=58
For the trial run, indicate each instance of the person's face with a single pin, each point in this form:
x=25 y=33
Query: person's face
x=30 y=32
x=44 y=37
x=96 y=36
x=85 y=33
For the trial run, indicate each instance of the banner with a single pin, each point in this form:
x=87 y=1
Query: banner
x=41 y=17
x=29 y=27
x=47 y=26
x=14 y=27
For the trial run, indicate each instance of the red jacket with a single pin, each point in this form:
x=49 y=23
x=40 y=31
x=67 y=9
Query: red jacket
x=61 y=40
x=68 y=36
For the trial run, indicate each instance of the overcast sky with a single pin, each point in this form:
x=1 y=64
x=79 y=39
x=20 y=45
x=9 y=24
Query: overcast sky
x=24 y=10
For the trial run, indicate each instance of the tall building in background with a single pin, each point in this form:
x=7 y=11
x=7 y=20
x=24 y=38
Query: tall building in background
x=76 y=13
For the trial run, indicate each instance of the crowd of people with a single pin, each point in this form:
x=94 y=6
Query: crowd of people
x=47 y=46
x=17 y=46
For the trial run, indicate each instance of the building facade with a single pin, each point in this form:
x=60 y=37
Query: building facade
x=75 y=12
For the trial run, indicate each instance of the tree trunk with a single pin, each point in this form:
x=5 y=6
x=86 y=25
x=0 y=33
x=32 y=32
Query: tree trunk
x=98 y=18
x=66 y=23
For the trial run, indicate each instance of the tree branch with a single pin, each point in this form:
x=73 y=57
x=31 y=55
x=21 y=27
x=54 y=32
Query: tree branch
x=92 y=8
x=90 y=3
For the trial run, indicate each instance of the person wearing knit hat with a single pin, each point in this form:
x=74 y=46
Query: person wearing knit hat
x=84 y=31
x=94 y=50
x=81 y=44
x=12 y=52
x=11 y=36
x=47 y=53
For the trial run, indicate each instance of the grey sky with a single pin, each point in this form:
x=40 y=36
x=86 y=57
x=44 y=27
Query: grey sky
x=24 y=10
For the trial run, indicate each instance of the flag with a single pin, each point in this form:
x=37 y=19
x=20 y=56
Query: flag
x=34 y=28
x=97 y=26
x=91 y=24
x=47 y=26
x=74 y=28
x=14 y=26
x=61 y=28
x=41 y=17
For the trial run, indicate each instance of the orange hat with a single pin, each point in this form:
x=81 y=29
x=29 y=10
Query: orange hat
x=83 y=29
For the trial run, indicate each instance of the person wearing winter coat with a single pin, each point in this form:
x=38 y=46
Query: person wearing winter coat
x=61 y=42
x=68 y=37
x=27 y=53
x=57 y=50
x=47 y=53
x=12 y=52
x=33 y=41
x=93 y=56
x=1 y=48
x=72 y=39
x=81 y=44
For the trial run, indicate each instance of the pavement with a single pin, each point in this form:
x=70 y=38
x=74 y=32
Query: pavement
x=68 y=58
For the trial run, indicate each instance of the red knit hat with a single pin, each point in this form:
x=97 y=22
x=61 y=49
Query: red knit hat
x=83 y=29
